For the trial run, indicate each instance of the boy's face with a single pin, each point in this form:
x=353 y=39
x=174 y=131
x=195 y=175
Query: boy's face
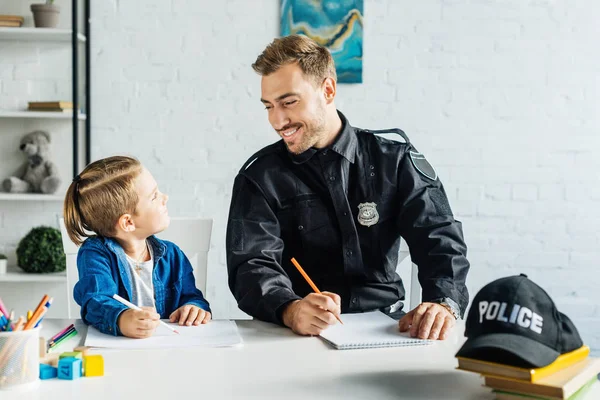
x=151 y=214
x=295 y=106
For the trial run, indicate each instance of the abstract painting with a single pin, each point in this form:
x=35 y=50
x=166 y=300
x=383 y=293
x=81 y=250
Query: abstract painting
x=335 y=24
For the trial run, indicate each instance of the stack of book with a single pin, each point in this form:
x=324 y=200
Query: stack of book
x=11 y=21
x=568 y=377
x=54 y=106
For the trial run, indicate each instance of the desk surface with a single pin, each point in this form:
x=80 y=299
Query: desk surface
x=273 y=363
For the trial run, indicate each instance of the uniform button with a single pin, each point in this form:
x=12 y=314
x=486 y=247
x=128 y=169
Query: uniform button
x=372 y=174
x=300 y=227
x=345 y=213
x=372 y=166
x=349 y=253
x=354 y=300
x=332 y=178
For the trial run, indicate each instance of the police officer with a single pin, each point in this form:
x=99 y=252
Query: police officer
x=338 y=199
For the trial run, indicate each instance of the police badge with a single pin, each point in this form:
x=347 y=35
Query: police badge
x=367 y=214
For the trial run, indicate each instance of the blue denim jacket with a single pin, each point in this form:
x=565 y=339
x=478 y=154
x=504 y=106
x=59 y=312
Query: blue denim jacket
x=104 y=271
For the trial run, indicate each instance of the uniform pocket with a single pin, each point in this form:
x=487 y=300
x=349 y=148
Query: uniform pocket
x=317 y=226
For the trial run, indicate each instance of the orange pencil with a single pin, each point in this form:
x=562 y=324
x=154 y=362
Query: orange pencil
x=311 y=283
x=37 y=312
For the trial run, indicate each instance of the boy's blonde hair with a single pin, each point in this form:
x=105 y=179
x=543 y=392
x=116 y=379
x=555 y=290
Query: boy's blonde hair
x=314 y=60
x=98 y=196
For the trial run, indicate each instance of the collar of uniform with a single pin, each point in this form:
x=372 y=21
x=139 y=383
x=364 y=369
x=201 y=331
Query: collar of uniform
x=344 y=144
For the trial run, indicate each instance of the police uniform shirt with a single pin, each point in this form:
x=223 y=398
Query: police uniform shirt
x=341 y=212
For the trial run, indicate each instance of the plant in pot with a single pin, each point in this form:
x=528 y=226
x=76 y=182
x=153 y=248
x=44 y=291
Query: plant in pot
x=45 y=15
x=3 y=263
x=41 y=251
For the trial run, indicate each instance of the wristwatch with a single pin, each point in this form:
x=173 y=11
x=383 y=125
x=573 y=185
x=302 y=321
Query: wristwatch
x=450 y=305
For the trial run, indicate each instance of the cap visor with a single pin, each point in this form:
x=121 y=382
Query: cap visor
x=521 y=347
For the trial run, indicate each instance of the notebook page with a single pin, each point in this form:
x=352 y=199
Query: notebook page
x=366 y=330
x=213 y=334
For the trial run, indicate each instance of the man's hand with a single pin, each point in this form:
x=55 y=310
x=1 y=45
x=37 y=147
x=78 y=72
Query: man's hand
x=189 y=314
x=428 y=321
x=312 y=314
x=138 y=324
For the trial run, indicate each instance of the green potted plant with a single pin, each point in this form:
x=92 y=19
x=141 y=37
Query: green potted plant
x=41 y=251
x=2 y=263
x=45 y=15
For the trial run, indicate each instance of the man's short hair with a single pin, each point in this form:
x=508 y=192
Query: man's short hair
x=314 y=60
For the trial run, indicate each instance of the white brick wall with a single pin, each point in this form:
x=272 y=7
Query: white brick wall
x=502 y=96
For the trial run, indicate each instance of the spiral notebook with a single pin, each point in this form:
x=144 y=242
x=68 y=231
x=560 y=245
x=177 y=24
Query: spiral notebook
x=368 y=330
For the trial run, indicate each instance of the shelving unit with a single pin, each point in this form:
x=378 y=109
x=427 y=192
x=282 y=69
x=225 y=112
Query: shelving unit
x=76 y=39
x=79 y=40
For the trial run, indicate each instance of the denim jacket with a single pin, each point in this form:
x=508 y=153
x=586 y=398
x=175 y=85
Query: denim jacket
x=104 y=271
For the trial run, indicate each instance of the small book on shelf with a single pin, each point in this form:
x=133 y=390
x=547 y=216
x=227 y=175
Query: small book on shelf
x=11 y=21
x=50 y=105
x=560 y=385
x=10 y=24
x=527 y=374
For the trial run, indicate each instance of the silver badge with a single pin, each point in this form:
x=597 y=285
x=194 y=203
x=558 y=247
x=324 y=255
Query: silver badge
x=367 y=214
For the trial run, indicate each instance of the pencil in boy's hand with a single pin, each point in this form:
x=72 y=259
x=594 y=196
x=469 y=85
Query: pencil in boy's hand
x=134 y=307
x=311 y=283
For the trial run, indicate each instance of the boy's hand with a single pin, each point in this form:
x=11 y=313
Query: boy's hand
x=190 y=315
x=138 y=324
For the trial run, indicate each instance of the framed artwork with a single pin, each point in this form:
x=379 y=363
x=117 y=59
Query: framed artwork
x=335 y=24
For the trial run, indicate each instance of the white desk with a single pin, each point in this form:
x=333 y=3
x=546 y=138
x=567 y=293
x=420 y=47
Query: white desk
x=273 y=363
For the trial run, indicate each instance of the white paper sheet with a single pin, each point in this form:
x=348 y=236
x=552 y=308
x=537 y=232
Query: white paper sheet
x=368 y=330
x=213 y=334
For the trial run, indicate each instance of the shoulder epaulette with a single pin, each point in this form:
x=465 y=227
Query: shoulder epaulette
x=390 y=134
x=264 y=151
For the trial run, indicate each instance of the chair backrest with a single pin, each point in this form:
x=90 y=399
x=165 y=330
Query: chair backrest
x=70 y=250
x=192 y=235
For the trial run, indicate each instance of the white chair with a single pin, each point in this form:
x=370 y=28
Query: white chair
x=192 y=235
x=70 y=250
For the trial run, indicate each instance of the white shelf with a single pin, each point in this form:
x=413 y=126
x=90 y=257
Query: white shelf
x=39 y=114
x=39 y=35
x=30 y=197
x=15 y=274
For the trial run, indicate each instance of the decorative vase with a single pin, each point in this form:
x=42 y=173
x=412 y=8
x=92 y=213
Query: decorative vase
x=45 y=15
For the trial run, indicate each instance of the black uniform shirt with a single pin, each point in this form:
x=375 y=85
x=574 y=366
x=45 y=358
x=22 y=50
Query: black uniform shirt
x=341 y=212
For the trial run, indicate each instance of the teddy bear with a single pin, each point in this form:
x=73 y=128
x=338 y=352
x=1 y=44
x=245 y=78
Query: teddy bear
x=40 y=174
